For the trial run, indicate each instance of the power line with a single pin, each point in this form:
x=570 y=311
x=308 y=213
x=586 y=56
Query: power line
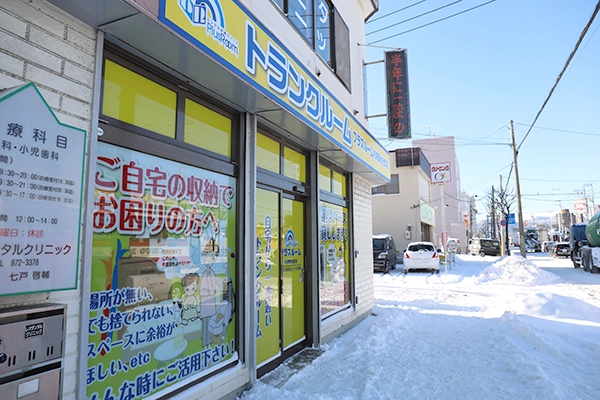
x=411 y=18
x=431 y=23
x=394 y=12
x=561 y=130
x=581 y=36
x=557 y=180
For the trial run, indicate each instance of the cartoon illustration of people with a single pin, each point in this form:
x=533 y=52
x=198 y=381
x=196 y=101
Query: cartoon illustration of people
x=189 y=312
x=176 y=294
x=208 y=289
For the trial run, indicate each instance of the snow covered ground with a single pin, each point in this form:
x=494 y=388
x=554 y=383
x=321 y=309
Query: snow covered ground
x=491 y=328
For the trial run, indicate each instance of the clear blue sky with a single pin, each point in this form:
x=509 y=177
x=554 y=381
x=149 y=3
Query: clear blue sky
x=471 y=74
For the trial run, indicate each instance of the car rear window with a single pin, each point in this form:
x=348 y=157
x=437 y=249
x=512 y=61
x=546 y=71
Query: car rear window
x=562 y=246
x=378 y=244
x=490 y=243
x=417 y=247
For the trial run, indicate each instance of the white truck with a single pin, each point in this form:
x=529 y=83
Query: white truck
x=531 y=241
x=585 y=245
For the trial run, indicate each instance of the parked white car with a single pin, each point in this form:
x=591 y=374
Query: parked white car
x=421 y=255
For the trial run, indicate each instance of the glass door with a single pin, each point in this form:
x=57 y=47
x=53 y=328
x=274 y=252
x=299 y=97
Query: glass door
x=292 y=296
x=280 y=272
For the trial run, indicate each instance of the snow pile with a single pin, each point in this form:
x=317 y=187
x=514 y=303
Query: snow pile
x=516 y=270
x=549 y=305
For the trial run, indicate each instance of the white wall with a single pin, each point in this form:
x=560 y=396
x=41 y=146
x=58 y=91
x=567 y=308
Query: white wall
x=41 y=44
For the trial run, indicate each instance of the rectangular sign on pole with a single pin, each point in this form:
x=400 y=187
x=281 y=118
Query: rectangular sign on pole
x=511 y=219
x=398 y=105
x=440 y=172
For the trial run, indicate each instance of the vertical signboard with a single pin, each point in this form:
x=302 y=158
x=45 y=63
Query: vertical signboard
x=440 y=173
x=162 y=299
x=398 y=105
x=41 y=175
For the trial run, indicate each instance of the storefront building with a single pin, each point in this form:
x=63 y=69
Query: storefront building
x=190 y=190
x=402 y=207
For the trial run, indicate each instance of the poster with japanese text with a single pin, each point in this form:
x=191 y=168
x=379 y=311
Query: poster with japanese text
x=41 y=180
x=268 y=333
x=334 y=261
x=162 y=299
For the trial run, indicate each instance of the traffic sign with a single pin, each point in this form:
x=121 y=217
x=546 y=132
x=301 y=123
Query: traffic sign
x=511 y=219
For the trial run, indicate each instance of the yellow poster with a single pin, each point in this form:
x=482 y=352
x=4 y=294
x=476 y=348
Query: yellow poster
x=267 y=276
x=293 y=272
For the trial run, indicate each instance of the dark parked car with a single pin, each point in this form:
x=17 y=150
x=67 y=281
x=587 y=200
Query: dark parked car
x=485 y=247
x=562 y=249
x=384 y=253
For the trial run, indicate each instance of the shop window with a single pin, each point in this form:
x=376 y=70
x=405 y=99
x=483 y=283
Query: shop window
x=339 y=184
x=268 y=154
x=163 y=274
x=207 y=129
x=324 y=178
x=139 y=101
x=294 y=166
x=334 y=259
x=164 y=259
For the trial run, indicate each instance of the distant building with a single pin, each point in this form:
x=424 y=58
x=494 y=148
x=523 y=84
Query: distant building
x=441 y=150
x=402 y=207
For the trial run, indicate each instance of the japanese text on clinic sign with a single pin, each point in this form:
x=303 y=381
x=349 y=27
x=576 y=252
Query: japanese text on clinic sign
x=41 y=175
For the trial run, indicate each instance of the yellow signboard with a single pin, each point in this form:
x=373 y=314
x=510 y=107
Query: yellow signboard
x=228 y=33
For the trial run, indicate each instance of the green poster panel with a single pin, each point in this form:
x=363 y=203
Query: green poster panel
x=162 y=298
x=292 y=300
x=268 y=334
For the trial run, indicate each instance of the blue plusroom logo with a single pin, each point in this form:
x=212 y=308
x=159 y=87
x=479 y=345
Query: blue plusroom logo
x=209 y=14
x=290 y=239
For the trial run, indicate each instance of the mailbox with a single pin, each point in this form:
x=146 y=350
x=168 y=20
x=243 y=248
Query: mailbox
x=31 y=351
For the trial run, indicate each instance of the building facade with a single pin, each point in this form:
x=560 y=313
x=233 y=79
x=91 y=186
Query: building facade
x=402 y=207
x=200 y=193
x=441 y=151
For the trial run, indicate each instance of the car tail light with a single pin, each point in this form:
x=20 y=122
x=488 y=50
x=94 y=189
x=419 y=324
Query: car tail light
x=434 y=255
x=406 y=255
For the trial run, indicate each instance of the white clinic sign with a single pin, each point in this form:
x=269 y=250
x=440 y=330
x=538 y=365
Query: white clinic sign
x=440 y=172
x=41 y=179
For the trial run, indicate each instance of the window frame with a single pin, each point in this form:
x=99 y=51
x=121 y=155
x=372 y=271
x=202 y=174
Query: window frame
x=152 y=142
x=347 y=203
x=389 y=188
x=334 y=16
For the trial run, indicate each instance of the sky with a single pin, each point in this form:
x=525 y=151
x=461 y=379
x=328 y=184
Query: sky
x=470 y=74
x=489 y=328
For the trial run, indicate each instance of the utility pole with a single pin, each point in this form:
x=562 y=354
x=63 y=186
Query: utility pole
x=502 y=218
x=472 y=217
x=493 y=233
x=519 y=209
x=444 y=238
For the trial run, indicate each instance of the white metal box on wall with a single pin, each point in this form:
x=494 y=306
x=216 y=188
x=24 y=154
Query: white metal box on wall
x=31 y=351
